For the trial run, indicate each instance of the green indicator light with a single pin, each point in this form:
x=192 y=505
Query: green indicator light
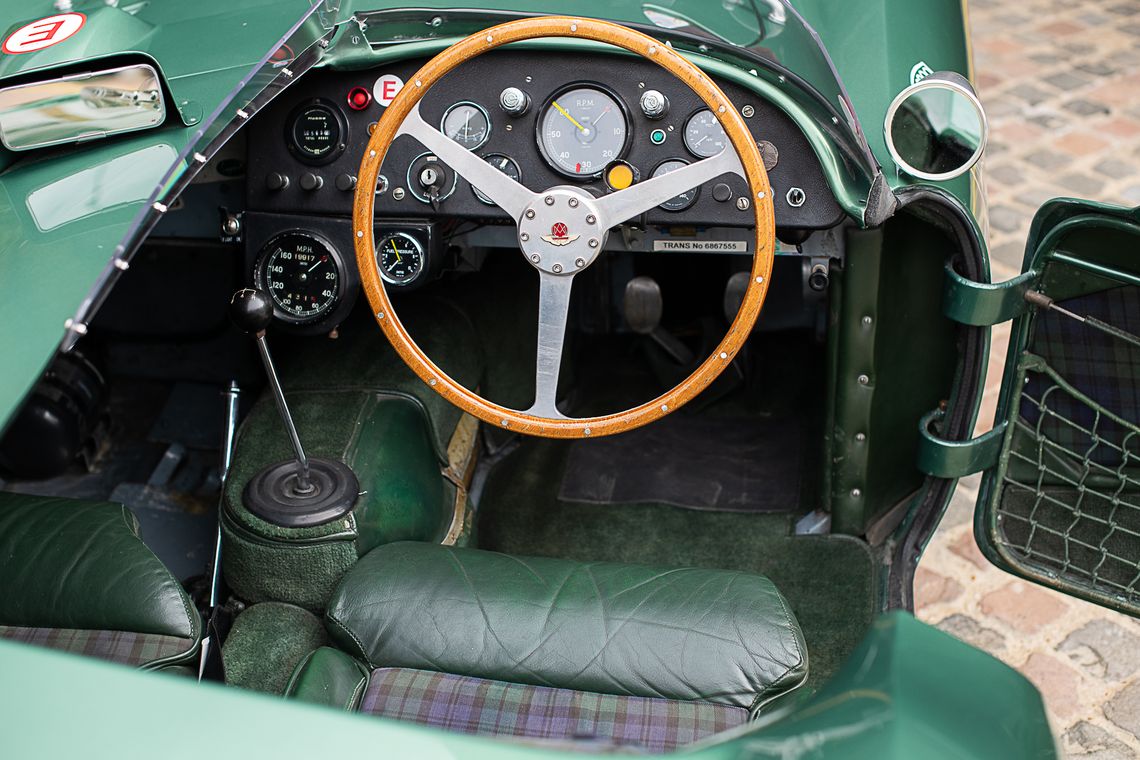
x=657 y=136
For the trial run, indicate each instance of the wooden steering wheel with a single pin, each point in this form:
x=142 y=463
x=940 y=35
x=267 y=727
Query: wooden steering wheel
x=581 y=223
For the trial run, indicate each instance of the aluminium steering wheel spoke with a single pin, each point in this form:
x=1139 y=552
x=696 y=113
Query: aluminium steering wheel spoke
x=507 y=194
x=644 y=196
x=553 y=308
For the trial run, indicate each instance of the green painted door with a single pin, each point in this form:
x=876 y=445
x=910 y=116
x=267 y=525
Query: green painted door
x=1061 y=504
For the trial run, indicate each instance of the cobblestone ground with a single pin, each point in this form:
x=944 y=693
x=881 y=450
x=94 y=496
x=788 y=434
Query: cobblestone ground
x=1061 y=85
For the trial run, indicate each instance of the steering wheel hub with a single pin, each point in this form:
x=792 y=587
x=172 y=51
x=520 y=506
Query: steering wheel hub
x=562 y=231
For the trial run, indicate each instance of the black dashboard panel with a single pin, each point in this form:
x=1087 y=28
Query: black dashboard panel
x=281 y=182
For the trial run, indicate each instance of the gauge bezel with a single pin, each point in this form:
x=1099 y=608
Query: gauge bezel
x=342 y=125
x=482 y=198
x=424 y=263
x=486 y=115
x=696 y=190
x=685 y=133
x=259 y=277
x=416 y=193
x=605 y=89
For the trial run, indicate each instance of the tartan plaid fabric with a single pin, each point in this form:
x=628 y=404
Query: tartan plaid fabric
x=1099 y=365
x=480 y=706
x=117 y=646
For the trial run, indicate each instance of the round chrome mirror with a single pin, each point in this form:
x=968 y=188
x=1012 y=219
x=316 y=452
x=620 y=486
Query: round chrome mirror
x=936 y=128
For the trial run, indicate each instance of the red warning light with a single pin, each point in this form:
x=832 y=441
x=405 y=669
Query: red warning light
x=359 y=98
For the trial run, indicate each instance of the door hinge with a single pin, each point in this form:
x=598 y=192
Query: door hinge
x=956 y=459
x=984 y=304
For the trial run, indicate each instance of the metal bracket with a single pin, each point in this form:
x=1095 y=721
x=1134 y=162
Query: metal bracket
x=957 y=459
x=984 y=304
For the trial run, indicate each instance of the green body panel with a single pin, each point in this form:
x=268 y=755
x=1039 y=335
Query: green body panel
x=909 y=691
x=75 y=564
x=173 y=35
x=885 y=311
x=1073 y=244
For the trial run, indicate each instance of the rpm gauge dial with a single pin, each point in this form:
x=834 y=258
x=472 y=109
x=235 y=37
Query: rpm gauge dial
x=400 y=257
x=302 y=275
x=581 y=129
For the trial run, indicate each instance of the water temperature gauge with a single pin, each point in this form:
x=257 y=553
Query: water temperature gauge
x=401 y=258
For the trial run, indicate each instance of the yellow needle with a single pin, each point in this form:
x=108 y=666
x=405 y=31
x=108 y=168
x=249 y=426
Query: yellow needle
x=399 y=260
x=566 y=113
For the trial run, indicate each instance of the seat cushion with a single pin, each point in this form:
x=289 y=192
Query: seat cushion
x=495 y=708
x=75 y=576
x=608 y=628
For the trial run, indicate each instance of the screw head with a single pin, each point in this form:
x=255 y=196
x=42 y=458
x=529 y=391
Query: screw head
x=557 y=268
x=535 y=258
x=748 y=112
x=590 y=219
x=579 y=262
x=593 y=242
x=398 y=194
x=573 y=202
x=530 y=213
x=863 y=379
x=548 y=200
x=523 y=236
x=743 y=203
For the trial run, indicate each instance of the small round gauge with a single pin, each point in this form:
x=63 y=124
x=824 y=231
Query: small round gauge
x=316 y=133
x=506 y=165
x=704 y=136
x=467 y=123
x=677 y=202
x=401 y=257
x=581 y=130
x=302 y=275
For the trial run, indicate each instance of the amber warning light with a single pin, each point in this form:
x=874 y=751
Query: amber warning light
x=359 y=98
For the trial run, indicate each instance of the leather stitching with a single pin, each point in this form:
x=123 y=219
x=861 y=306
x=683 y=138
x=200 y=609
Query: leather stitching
x=354 y=698
x=359 y=646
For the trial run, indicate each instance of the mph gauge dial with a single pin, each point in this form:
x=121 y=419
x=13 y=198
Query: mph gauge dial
x=400 y=257
x=582 y=129
x=302 y=275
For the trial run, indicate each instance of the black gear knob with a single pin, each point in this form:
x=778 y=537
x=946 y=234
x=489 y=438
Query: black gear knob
x=251 y=310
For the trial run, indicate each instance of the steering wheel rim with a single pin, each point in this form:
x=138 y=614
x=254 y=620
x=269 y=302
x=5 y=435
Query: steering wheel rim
x=528 y=210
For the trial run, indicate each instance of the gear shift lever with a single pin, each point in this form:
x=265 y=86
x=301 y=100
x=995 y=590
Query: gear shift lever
x=303 y=491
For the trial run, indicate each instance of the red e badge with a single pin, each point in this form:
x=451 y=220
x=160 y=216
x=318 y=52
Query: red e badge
x=386 y=89
x=44 y=33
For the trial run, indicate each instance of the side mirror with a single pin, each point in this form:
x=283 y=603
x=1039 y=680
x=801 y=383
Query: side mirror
x=936 y=128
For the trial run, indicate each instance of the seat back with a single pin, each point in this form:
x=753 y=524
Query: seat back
x=75 y=576
x=686 y=634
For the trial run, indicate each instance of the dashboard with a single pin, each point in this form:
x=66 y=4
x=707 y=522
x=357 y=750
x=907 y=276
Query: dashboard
x=600 y=122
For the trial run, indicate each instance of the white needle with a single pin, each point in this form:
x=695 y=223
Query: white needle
x=314 y=266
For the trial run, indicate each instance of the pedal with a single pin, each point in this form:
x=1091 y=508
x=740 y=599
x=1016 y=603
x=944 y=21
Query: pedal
x=642 y=307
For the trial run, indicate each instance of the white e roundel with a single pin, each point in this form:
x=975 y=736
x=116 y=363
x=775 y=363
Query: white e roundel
x=44 y=33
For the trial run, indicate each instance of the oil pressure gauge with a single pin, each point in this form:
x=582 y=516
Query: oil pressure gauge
x=400 y=257
x=302 y=274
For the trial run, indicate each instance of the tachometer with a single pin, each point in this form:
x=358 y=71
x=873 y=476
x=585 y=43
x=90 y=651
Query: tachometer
x=704 y=136
x=581 y=129
x=301 y=274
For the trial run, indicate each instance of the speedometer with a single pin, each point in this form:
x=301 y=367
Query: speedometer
x=581 y=129
x=301 y=274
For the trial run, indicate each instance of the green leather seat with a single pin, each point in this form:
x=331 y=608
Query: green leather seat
x=75 y=576
x=553 y=649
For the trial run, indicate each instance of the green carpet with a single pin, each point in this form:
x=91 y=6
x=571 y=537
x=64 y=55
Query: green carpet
x=266 y=643
x=826 y=579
